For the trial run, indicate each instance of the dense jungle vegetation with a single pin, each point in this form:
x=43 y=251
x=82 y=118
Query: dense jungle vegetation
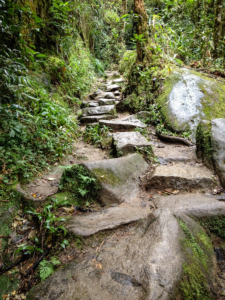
x=53 y=51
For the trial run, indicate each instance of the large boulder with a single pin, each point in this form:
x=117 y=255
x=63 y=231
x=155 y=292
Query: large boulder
x=218 y=146
x=168 y=256
x=119 y=177
x=189 y=97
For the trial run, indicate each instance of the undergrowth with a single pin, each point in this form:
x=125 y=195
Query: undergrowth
x=96 y=134
x=80 y=183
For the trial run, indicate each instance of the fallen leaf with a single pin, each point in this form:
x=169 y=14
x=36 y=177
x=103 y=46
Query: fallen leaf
x=34 y=195
x=4 y=297
x=99 y=266
x=150 y=196
x=74 y=278
x=161 y=193
x=168 y=190
x=50 y=179
x=175 y=192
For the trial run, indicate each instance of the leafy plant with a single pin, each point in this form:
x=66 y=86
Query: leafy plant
x=96 y=134
x=46 y=268
x=80 y=183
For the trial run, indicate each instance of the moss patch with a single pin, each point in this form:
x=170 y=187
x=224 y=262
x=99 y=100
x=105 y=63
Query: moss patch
x=204 y=143
x=8 y=284
x=197 y=248
x=214 y=225
x=107 y=176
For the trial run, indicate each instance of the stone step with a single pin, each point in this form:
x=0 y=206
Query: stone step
x=128 y=142
x=121 y=125
x=94 y=119
x=86 y=225
x=113 y=88
x=105 y=95
x=181 y=177
x=108 y=109
x=119 y=177
x=119 y=80
x=102 y=102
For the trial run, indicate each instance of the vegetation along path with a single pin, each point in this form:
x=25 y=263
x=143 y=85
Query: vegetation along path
x=112 y=182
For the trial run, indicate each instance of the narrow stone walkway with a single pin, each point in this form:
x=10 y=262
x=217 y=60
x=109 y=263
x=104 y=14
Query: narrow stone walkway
x=148 y=264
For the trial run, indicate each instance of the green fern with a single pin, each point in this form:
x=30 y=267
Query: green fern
x=47 y=268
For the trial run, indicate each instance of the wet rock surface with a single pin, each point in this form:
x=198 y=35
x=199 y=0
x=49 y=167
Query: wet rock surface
x=218 y=144
x=94 y=119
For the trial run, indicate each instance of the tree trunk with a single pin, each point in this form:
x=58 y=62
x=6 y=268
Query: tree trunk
x=141 y=28
x=124 y=11
x=218 y=25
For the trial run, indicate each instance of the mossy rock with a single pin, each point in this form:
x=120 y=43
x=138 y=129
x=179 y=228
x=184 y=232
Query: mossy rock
x=188 y=97
x=204 y=143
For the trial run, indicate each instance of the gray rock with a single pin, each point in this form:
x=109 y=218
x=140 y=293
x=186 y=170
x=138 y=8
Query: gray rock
x=108 y=109
x=221 y=197
x=105 y=96
x=127 y=142
x=93 y=104
x=117 y=93
x=181 y=177
x=96 y=93
x=113 y=88
x=146 y=265
x=123 y=125
x=218 y=144
x=119 y=80
x=94 y=119
x=188 y=97
x=102 y=102
x=113 y=217
x=119 y=177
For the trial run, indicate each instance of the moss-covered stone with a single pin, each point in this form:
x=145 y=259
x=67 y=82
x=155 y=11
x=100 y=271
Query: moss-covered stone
x=8 y=283
x=189 y=97
x=204 y=143
x=107 y=176
x=198 y=251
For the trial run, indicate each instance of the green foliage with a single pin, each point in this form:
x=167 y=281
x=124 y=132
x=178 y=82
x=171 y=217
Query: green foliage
x=47 y=268
x=215 y=225
x=82 y=185
x=49 y=220
x=127 y=61
x=96 y=134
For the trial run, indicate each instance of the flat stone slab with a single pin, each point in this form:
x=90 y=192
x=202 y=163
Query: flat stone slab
x=113 y=88
x=119 y=80
x=101 y=110
x=122 y=125
x=102 y=102
x=145 y=264
x=127 y=142
x=218 y=144
x=94 y=119
x=181 y=177
x=110 y=218
x=119 y=177
x=105 y=95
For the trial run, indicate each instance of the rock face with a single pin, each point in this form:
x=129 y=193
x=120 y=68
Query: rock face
x=119 y=80
x=102 y=102
x=110 y=218
x=121 y=125
x=108 y=109
x=181 y=177
x=149 y=263
x=119 y=177
x=218 y=144
x=127 y=142
x=189 y=97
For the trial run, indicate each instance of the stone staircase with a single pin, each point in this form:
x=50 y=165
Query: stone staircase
x=149 y=263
